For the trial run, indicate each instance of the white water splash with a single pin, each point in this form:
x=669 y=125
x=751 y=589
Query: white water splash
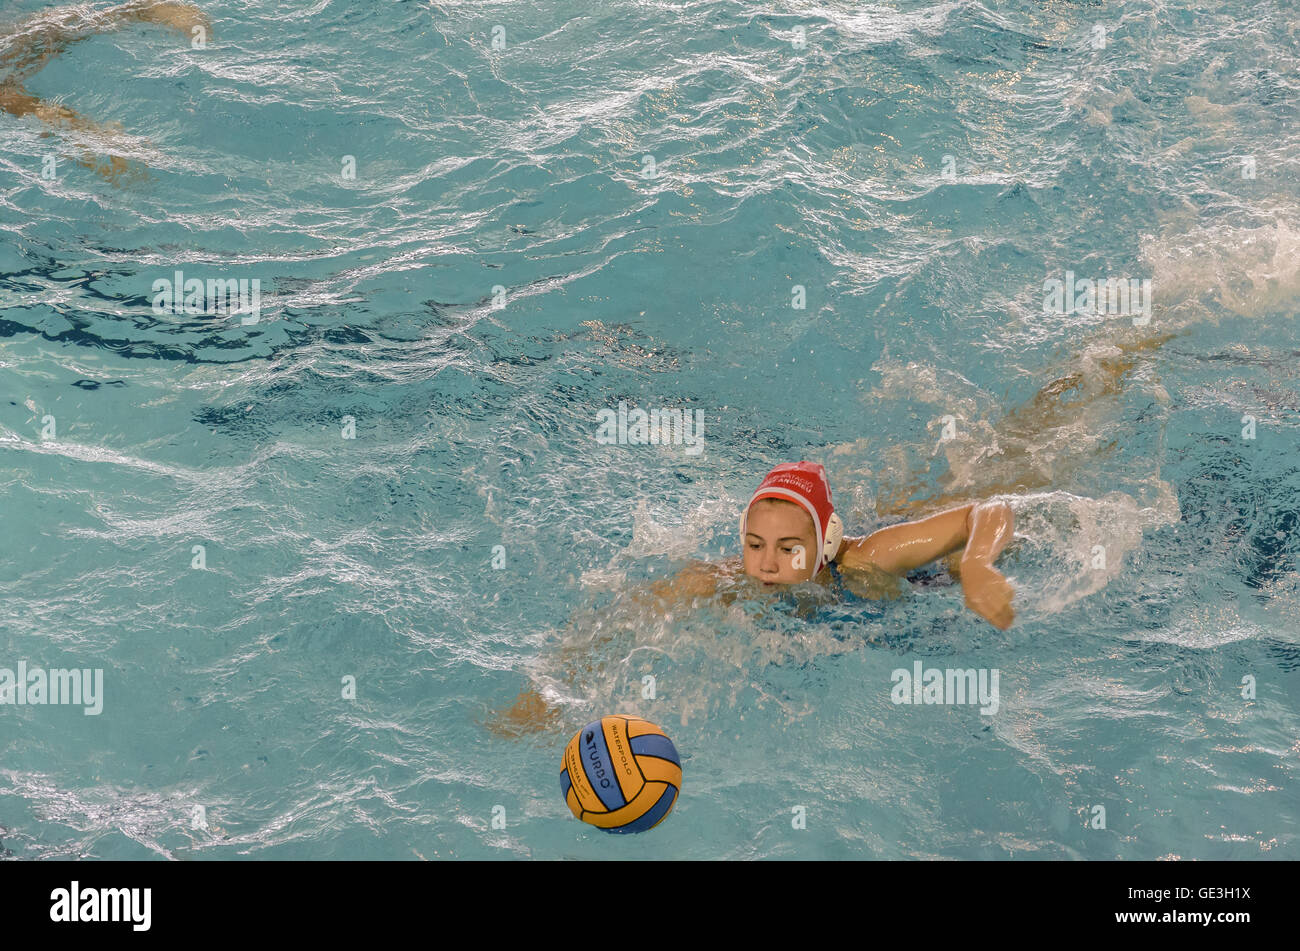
x=1199 y=274
x=1068 y=546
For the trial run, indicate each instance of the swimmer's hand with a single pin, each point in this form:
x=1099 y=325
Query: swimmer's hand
x=988 y=593
x=528 y=714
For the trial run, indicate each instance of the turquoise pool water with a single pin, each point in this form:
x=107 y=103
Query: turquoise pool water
x=502 y=267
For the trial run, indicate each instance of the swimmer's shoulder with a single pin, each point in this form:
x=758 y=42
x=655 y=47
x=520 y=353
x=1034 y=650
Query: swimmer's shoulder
x=861 y=574
x=856 y=554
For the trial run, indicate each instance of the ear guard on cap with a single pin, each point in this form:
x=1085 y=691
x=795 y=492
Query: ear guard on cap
x=834 y=535
x=831 y=545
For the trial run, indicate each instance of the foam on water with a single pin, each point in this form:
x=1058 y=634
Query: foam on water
x=1201 y=274
x=1068 y=547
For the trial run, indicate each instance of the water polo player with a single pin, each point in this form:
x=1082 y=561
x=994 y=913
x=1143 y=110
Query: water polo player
x=790 y=533
x=27 y=46
x=791 y=536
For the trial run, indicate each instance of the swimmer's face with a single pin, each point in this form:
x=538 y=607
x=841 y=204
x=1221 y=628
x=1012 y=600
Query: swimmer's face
x=779 y=543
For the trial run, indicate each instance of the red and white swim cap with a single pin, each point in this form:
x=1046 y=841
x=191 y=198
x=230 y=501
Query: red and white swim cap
x=804 y=483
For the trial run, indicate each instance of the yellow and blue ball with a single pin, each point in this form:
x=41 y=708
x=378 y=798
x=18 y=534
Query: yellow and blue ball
x=621 y=774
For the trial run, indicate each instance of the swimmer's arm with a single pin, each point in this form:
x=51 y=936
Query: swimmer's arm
x=38 y=39
x=530 y=712
x=19 y=102
x=987 y=592
x=697 y=580
x=899 y=549
x=979 y=530
x=35 y=41
x=991 y=527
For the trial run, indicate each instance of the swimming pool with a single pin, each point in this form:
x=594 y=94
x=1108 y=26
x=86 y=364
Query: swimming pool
x=463 y=256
